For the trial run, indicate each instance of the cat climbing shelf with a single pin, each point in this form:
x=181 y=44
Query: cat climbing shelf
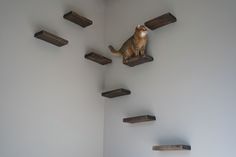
x=78 y=19
x=138 y=60
x=98 y=58
x=139 y=119
x=116 y=93
x=160 y=21
x=171 y=147
x=51 y=38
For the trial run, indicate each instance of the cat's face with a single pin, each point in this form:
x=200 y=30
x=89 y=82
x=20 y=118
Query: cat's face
x=141 y=30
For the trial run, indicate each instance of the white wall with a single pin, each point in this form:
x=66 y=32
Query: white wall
x=50 y=97
x=190 y=86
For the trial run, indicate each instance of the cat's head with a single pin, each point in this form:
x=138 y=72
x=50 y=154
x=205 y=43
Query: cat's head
x=141 y=30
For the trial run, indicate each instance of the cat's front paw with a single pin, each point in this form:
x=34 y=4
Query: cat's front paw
x=125 y=61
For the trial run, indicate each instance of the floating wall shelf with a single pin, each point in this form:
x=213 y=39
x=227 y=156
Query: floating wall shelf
x=78 y=19
x=116 y=93
x=50 y=38
x=139 y=119
x=171 y=147
x=98 y=58
x=160 y=21
x=138 y=60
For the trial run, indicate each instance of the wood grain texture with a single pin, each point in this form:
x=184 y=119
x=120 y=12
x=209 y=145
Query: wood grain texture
x=116 y=93
x=51 y=38
x=139 y=119
x=171 y=147
x=98 y=58
x=160 y=21
x=78 y=19
x=138 y=60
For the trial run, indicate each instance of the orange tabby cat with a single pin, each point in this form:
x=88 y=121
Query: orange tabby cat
x=134 y=46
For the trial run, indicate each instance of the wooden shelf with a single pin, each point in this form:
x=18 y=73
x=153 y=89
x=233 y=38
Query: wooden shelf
x=138 y=60
x=98 y=58
x=50 y=38
x=139 y=119
x=78 y=19
x=171 y=147
x=116 y=93
x=160 y=21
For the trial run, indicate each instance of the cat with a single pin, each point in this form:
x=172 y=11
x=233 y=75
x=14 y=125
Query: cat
x=134 y=46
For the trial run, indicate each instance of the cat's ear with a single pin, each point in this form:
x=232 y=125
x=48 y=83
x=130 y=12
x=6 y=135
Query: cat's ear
x=138 y=26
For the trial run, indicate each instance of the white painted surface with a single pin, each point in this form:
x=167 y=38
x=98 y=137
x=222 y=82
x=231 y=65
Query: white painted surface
x=50 y=96
x=190 y=86
x=50 y=103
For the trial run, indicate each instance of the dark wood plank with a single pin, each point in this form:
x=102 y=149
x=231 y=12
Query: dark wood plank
x=171 y=147
x=78 y=19
x=138 y=60
x=116 y=93
x=50 y=38
x=161 y=21
x=98 y=58
x=139 y=119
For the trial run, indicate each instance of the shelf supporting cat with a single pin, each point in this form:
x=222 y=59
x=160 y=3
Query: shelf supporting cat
x=134 y=46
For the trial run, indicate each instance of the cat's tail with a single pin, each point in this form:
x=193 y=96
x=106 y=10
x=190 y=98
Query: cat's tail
x=113 y=51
